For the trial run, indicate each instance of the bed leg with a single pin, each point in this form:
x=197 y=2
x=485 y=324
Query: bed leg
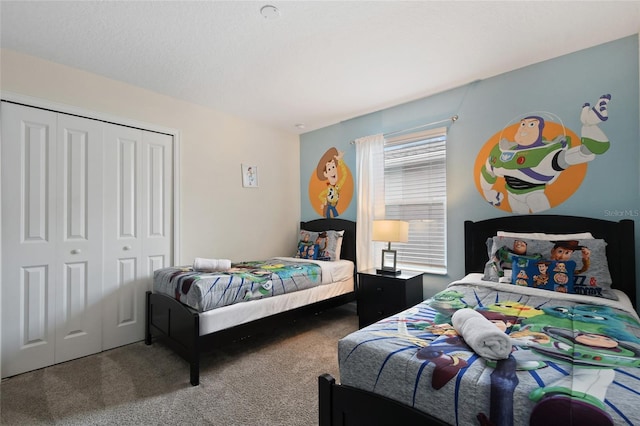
x=195 y=373
x=325 y=399
x=147 y=321
x=194 y=364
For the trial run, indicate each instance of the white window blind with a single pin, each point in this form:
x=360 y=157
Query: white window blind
x=416 y=191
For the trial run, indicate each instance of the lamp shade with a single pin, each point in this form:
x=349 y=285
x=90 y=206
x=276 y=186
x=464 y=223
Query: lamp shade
x=393 y=231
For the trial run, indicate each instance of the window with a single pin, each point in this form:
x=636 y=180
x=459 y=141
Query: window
x=416 y=191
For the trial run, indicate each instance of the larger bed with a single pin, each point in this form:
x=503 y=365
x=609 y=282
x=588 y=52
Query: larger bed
x=572 y=359
x=188 y=330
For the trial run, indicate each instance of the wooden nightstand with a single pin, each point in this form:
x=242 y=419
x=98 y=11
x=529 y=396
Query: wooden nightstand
x=380 y=296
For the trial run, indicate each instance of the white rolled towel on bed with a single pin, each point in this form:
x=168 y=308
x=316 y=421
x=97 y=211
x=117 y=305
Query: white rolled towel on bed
x=211 y=265
x=484 y=337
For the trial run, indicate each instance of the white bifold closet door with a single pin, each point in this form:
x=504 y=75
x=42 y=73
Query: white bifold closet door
x=51 y=238
x=86 y=219
x=137 y=226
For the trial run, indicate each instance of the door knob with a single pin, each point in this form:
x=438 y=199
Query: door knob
x=126 y=248
x=75 y=251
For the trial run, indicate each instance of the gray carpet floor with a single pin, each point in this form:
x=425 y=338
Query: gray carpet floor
x=268 y=379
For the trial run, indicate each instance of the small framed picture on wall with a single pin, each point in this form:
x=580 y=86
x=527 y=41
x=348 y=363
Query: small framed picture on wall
x=249 y=176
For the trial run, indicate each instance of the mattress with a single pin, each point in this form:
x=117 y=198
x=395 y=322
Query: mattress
x=241 y=313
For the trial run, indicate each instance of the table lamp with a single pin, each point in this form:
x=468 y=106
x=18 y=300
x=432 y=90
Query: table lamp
x=396 y=231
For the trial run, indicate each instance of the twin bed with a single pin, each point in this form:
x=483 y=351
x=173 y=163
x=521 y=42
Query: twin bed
x=571 y=359
x=187 y=313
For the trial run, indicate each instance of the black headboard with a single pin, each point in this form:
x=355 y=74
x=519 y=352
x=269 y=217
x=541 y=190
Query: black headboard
x=348 y=250
x=618 y=235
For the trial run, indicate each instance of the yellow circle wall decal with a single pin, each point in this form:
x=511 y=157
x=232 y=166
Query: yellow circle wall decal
x=516 y=170
x=331 y=185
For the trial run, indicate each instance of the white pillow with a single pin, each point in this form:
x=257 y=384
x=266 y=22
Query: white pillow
x=339 y=244
x=546 y=237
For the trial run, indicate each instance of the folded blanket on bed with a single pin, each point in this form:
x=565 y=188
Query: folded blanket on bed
x=484 y=337
x=211 y=265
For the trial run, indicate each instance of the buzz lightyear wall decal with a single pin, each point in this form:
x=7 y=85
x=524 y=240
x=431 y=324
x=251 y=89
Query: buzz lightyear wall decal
x=331 y=185
x=537 y=163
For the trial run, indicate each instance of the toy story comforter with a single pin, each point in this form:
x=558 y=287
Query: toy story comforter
x=573 y=359
x=242 y=282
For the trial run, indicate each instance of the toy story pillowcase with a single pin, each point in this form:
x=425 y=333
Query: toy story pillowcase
x=544 y=274
x=591 y=273
x=307 y=251
x=323 y=245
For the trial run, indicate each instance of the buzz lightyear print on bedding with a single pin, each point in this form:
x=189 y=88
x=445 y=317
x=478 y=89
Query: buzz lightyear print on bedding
x=591 y=275
x=573 y=358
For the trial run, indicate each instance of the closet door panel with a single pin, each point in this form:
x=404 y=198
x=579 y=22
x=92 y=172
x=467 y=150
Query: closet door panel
x=127 y=309
x=157 y=214
x=79 y=310
x=123 y=313
x=28 y=238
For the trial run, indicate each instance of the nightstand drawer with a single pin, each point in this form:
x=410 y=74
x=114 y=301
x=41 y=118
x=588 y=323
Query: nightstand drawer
x=380 y=290
x=371 y=313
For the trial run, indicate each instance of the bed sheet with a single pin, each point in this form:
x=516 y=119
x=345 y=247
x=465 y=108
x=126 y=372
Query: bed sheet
x=332 y=271
x=575 y=359
x=245 y=281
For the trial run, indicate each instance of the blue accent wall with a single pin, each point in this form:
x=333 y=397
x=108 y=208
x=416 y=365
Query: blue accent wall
x=611 y=187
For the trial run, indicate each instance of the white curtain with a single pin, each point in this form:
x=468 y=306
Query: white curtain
x=370 y=166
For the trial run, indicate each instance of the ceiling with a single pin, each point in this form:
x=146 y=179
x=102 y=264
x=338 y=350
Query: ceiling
x=318 y=62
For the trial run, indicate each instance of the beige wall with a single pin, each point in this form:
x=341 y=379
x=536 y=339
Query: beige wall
x=218 y=218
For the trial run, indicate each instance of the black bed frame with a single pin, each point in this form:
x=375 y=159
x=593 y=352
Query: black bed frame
x=341 y=405
x=178 y=326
